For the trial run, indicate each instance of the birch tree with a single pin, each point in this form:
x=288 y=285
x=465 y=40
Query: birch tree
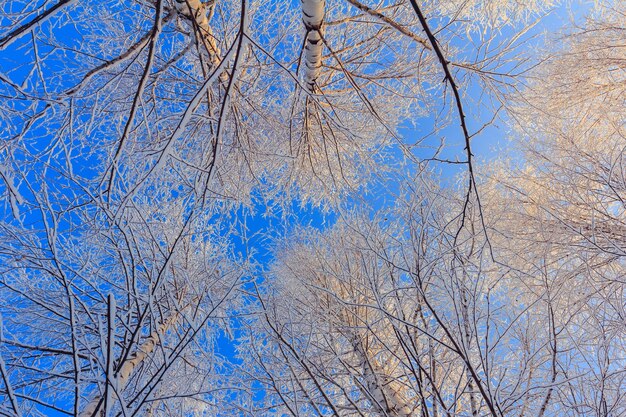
x=564 y=226
x=393 y=316
x=521 y=318
x=107 y=316
x=210 y=89
x=407 y=317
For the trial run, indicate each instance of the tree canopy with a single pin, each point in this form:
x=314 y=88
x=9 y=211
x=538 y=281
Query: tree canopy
x=291 y=208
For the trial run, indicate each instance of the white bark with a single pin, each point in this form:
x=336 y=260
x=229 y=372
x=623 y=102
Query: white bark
x=7 y=384
x=110 y=357
x=198 y=12
x=384 y=398
x=15 y=197
x=95 y=406
x=313 y=19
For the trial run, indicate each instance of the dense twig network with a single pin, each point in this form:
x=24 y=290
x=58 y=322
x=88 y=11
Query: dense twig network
x=250 y=208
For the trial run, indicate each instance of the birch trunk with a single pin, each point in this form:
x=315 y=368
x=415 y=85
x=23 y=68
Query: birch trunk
x=313 y=19
x=96 y=405
x=386 y=400
x=199 y=14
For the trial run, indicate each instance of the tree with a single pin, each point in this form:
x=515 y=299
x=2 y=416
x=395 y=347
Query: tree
x=564 y=212
x=397 y=317
x=96 y=304
x=522 y=318
x=137 y=133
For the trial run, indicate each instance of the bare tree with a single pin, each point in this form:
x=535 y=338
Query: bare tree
x=107 y=313
x=559 y=217
x=386 y=317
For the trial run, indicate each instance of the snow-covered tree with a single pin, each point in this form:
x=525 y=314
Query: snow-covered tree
x=135 y=134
